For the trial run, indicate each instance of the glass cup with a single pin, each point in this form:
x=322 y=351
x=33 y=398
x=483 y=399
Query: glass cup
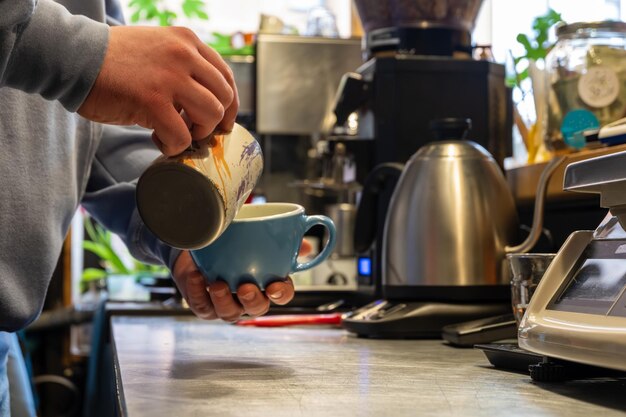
x=526 y=272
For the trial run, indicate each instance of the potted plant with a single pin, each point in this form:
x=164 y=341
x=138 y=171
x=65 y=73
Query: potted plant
x=95 y=283
x=113 y=261
x=160 y=11
x=532 y=64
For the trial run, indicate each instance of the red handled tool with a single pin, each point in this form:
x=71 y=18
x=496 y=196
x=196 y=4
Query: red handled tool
x=292 y=320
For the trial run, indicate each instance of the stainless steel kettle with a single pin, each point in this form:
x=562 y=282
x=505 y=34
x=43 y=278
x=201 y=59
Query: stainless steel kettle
x=452 y=219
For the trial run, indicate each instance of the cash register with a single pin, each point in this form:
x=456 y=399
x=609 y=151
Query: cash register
x=578 y=312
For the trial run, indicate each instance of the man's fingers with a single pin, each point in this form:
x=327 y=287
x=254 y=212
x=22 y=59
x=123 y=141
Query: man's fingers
x=123 y=94
x=305 y=248
x=253 y=301
x=280 y=292
x=198 y=297
x=202 y=109
x=171 y=131
x=215 y=60
x=213 y=80
x=228 y=121
x=225 y=305
x=157 y=141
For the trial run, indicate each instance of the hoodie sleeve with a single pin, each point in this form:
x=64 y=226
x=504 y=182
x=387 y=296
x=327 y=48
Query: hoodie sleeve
x=123 y=154
x=45 y=49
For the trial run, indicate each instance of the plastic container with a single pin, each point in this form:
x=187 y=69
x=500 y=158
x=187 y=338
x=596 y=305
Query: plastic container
x=586 y=73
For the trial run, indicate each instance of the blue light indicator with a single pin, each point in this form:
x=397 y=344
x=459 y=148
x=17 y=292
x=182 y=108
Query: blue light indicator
x=365 y=267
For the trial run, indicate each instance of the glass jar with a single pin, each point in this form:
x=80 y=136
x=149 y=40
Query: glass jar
x=586 y=73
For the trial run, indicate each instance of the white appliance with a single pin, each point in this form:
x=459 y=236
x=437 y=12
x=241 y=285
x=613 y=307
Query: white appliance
x=578 y=311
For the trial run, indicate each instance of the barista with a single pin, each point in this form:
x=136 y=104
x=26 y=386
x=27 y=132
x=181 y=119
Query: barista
x=55 y=160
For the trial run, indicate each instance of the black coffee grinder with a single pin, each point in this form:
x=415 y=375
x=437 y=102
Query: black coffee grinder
x=419 y=68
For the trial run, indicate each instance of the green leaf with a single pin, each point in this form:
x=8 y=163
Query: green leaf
x=146 y=9
x=151 y=13
x=193 y=4
x=89 y=228
x=155 y=10
x=536 y=54
x=542 y=38
x=107 y=254
x=93 y=274
x=188 y=8
x=193 y=8
x=135 y=16
x=510 y=81
x=97 y=249
x=166 y=17
x=103 y=235
x=523 y=39
x=523 y=75
x=100 y=244
x=138 y=4
x=148 y=269
x=537 y=48
x=202 y=15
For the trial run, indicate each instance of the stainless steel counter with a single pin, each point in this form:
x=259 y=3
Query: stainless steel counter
x=181 y=366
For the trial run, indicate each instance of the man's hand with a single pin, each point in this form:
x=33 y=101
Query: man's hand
x=151 y=74
x=216 y=300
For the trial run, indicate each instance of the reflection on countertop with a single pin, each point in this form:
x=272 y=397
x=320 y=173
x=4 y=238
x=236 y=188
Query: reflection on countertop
x=184 y=366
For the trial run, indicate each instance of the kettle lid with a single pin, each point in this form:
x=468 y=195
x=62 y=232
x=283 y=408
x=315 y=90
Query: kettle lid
x=450 y=128
x=464 y=149
x=450 y=141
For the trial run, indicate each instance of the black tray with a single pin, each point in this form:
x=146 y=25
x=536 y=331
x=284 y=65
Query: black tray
x=510 y=356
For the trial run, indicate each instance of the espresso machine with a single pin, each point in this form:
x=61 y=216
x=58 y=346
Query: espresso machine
x=419 y=69
x=577 y=314
x=574 y=322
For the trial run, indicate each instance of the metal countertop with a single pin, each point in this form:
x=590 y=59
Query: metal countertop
x=182 y=366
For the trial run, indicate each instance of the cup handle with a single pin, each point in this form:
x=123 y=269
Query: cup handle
x=330 y=245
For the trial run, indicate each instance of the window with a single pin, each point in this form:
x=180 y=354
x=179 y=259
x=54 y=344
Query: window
x=500 y=21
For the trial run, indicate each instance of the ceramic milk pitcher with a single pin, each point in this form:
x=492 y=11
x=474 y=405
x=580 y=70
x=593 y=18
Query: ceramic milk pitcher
x=189 y=199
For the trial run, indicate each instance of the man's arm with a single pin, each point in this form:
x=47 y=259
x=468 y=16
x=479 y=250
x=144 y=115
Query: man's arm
x=123 y=75
x=122 y=155
x=46 y=50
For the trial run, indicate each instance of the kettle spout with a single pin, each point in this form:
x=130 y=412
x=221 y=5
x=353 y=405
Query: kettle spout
x=540 y=198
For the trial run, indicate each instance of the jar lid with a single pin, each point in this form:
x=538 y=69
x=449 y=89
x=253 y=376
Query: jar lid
x=605 y=25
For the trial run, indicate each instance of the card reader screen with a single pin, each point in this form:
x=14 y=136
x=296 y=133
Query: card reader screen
x=597 y=279
x=597 y=282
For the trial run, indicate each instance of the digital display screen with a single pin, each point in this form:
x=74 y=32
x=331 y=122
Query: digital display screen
x=365 y=266
x=597 y=279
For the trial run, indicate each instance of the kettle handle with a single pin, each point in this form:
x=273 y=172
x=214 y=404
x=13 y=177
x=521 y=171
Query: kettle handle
x=382 y=178
x=540 y=198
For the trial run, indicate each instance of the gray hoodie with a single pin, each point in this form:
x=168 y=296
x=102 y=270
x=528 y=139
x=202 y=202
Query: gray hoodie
x=53 y=160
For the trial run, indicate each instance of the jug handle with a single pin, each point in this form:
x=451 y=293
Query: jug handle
x=540 y=198
x=366 y=222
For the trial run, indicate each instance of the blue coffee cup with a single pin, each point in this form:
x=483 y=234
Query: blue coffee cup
x=261 y=245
